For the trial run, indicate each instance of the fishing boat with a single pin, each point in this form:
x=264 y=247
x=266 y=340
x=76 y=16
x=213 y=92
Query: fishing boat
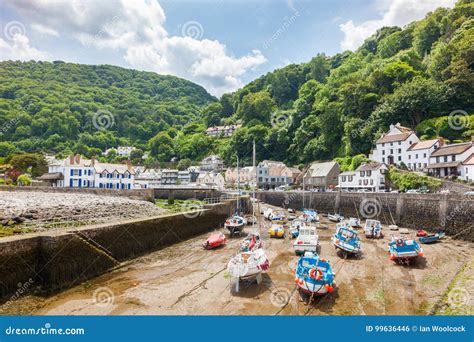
x=276 y=231
x=354 y=222
x=215 y=240
x=267 y=213
x=431 y=238
x=277 y=217
x=373 y=229
x=235 y=224
x=404 y=250
x=314 y=275
x=335 y=218
x=346 y=240
x=251 y=242
x=249 y=264
x=307 y=241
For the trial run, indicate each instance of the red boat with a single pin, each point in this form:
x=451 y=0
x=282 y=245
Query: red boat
x=421 y=232
x=214 y=240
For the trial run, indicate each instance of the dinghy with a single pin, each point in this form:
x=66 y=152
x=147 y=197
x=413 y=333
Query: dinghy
x=307 y=240
x=248 y=264
x=214 y=240
x=335 y=218
x=373 y=229
x=310 y=215
x=295 y=228
x=404 y=250
x=276 y=231
x=314 y=275
x=235 y=224
x=431 y=238
x=251 y=242
x=346 y=240
x=354 y=222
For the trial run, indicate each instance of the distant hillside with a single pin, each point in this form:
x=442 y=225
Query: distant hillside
x=338 y=106
x=52 y=107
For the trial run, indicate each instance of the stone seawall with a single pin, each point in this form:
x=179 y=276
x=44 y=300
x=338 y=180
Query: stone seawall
x=451 y=213
x=61 y=259
x=139 y=194
x=185 y=194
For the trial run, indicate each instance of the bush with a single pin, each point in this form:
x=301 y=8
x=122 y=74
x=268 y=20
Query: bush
x=23 y=180
x=404 y=181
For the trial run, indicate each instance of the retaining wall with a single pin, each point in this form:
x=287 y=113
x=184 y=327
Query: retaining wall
x=61 y=259
x=452 y=213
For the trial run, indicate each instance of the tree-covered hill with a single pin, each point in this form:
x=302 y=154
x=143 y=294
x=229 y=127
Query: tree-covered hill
x=338 y=106
x=52 y=107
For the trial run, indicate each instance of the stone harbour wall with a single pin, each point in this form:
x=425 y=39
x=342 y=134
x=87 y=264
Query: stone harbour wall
x=452 y=213
x=61 y=259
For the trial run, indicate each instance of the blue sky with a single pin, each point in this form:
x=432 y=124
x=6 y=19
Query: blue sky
x=219 y=44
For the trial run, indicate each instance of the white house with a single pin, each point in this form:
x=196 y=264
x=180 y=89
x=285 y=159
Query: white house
x=418 y=155
x=448 y=159
x=369 y=177
x=122 y=151
x=77 y=172
x=222 y=131
x=467 y=169
x=214 y=179
x=169 y=176
x=247 y=175
x=273 y=173
x=212 y=163
x=146 y=179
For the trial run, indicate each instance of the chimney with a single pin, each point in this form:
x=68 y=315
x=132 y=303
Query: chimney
x=441 y=141
x=71 y=159
x=129 y=164
x=78 y=158
x=93 y=161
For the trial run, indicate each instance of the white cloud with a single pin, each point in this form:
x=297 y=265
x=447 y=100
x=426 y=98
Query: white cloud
x=395 y=13
x=137 y=29
x=44 y=30
x=18 y=48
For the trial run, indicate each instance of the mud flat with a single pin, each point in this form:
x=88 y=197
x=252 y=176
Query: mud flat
x=38 y=209
x=185 y=279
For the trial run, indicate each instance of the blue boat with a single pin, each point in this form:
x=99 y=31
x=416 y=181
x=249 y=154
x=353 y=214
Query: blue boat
x=431 y=238
x=346 y=239
x=314 y=275
x=310 y=215
x=404 y=250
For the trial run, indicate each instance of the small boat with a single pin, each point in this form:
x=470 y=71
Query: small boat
x=373 y=229
x=235 y=224
x=295 y=228
x=335 y=218
x=291 y=217
x=421 y=232
x=393 y=227
x=346 y=239
x=291 y=210
x=276 y=231
x=277 y=217
x=311 y=215
x=247 y=265
x=267 y=213
x=251 y=219
x=251 y=242
x=354 y=222
x=214 y=240
x=404 y=250
x=431 y=238
x=314 y=275
x=307 y=240
x=404 y=231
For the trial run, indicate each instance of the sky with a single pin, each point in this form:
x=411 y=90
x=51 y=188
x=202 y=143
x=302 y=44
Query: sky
x=219 y=44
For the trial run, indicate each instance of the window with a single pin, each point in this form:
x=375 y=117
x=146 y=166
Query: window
x=416 y=156
x=362 y=173
x=399 y=158
x=453 y=158
x=383 y=160
x=424 y=155
x=383 y=152
x=343 y=178
x=437 y=159
x=410 y=142
x=369 y=173
x=391 y=151
x=350 y=178
x=383 y=144
x=371 y=182
x=409 y=156
x=399 y=150
x=391 y=144
x=366 y=181
x=409 y=165
x=360 y=181
x=445 y=159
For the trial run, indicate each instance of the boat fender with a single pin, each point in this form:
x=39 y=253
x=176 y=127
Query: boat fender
x=420 y=254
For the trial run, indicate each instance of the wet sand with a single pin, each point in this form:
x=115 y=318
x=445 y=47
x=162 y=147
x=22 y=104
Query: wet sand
x=185 y=279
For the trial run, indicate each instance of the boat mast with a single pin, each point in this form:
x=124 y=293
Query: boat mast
x=238 y=185
x=304 y=174
x=253 y=195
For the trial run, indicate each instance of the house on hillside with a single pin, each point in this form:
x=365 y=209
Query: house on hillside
x=247 y=176
x=212 y=163
x=222 y=131
x=272 y=174
x=448 y=160
x=321 y=176
x=212 y=179
x=78 y=172
x=368 y=177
